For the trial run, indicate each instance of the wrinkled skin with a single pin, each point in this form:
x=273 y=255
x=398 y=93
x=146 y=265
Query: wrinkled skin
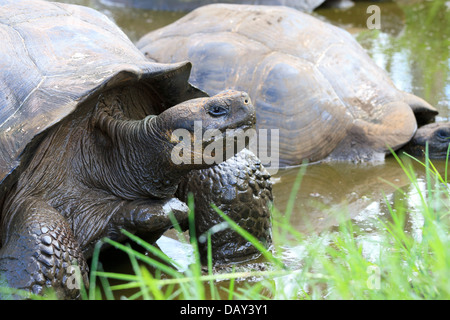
x=95 y=173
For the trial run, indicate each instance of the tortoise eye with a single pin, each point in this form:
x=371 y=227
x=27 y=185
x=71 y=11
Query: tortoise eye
x=443 y=134
x=217 y=111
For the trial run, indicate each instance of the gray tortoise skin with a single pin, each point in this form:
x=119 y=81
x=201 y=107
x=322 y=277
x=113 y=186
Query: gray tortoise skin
x=308 y=79
x=87 y=133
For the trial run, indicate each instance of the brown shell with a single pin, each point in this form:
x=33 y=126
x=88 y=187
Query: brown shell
x=310 y=80
x=54 y=58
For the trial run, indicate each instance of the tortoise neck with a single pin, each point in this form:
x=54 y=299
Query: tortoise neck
x=136 y=157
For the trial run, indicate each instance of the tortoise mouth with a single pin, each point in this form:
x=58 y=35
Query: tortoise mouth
x=233 y=140
x=243 y=128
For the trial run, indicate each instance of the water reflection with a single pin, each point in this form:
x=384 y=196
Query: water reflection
x=413 y=45
x=359 y=192
x=355 y=18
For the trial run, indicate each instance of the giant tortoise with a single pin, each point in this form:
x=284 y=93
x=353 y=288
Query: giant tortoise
x=308 y=79
x=87 y=138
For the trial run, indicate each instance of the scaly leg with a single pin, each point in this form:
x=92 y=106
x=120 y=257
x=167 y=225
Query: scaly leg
x=240 y=187
x=40 y=251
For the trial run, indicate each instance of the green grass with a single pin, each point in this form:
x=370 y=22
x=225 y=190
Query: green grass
x=330 y=265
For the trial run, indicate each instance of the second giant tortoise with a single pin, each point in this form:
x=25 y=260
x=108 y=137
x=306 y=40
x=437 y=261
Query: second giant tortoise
x=308 y=79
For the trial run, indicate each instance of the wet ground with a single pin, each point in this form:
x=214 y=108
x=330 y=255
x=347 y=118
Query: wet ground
x=413 y=45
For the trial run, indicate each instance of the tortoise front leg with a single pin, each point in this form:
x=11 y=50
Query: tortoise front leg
x=241 y=188
x=40 y=251
x=151 y=218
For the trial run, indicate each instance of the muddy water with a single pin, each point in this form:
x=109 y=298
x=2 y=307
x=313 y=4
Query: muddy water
x=413 y=45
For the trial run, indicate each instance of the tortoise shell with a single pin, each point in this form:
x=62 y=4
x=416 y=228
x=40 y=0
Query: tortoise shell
x=55 y=58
